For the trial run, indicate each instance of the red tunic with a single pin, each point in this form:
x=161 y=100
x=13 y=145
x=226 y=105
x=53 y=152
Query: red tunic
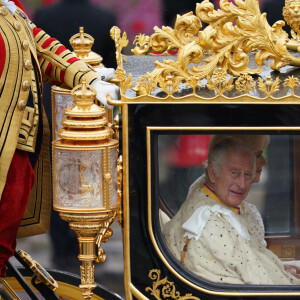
x=57 y=65
x=19 y=181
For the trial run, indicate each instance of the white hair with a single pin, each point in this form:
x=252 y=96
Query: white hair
x=254 y=141
x=217 y=156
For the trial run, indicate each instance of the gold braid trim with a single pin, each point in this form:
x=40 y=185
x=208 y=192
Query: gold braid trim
x=183 y=253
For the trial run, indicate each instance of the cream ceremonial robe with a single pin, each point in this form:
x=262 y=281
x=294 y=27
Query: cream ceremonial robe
x=223 y=246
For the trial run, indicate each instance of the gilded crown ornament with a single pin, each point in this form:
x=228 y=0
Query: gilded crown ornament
x=82 y=45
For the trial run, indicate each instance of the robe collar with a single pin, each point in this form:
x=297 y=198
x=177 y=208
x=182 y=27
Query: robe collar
x=206 y=189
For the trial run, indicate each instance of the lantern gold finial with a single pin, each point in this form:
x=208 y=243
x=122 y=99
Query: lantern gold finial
x=85 y=121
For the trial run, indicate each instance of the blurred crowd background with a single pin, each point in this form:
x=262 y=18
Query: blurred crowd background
x=140 y=16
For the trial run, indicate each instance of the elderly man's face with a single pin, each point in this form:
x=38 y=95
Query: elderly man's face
x=233 y=183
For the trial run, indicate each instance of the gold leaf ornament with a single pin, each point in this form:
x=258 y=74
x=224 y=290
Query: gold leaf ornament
x=165 y=289
x=127 y=84
x=219 y=82
x=124 y=83
x=268 y=87
x=292 y=83
x=187 y=27
x=245 y=83
x=145 y=85
x=169 y=83
x=194 y=84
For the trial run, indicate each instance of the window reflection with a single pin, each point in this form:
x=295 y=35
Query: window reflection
x=181 y=159
x=277 y=187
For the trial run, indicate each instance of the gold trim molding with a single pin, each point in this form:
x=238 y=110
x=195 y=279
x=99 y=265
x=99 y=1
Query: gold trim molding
x=165 y=289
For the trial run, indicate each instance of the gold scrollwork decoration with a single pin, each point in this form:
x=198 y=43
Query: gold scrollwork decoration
x=104 y=234
x=165 y=289
x=232 y=32
x=169 y=83
x=222 y=47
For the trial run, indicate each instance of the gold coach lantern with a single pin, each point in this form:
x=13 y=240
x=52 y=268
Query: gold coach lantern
x=85 y=178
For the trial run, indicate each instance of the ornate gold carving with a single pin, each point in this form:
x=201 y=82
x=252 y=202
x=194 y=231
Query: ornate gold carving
x=120 y=172
x=91 y=228
x=165 y=289
x=84 y=106
x=124 y=83
x=245 y=83
x=82 y=45
x=169 y=83
x=120 y=43
x=168 y=39
x=142 y=44
x=268 y=86
x=290 y=13
x=107 y=177
x=221 y=48
x=87 y=279
x=104 y=234
x=220 y=84
x=292 y=83
x=41 y=274
x=145 y=85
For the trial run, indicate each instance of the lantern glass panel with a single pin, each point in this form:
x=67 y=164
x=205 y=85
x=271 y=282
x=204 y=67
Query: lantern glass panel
x=78 y=179
x=60 y=102
x=114 y=173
